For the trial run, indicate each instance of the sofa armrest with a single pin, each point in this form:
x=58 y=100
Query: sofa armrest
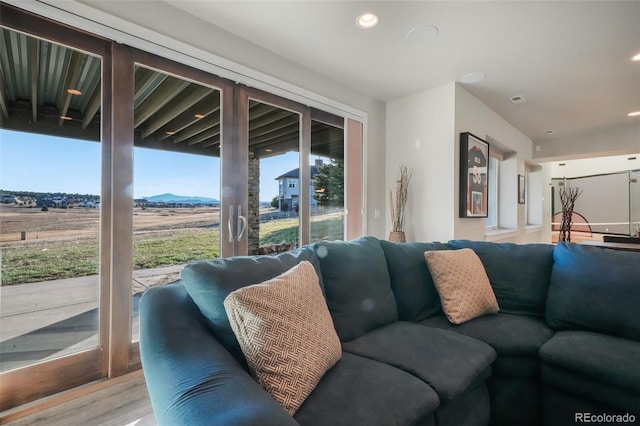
x=191 y=377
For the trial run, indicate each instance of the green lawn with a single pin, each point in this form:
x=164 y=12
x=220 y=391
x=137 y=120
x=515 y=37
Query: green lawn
x=286 y=231
x=64 y=259
x=51 y=260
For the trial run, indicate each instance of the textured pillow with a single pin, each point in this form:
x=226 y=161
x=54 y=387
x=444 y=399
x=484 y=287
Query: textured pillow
x=286 y=333
x=462 y=283
x=209 y=282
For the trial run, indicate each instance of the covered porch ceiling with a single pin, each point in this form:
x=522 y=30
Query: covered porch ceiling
x=54 y=90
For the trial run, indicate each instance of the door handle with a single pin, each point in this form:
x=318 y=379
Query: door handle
x=229 y=224
x=242 y=223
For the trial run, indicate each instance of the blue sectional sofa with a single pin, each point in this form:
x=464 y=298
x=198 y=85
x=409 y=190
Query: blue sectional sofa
x=564 y=348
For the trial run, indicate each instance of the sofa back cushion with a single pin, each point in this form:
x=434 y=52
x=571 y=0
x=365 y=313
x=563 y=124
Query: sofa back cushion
x=411 y=282
x=209 y=282
x=356 y=285
x=595 y=289
x=519 y=274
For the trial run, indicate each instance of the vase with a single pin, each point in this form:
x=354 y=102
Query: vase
x=397 y=237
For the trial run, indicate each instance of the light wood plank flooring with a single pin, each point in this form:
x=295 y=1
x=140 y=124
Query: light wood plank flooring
x=123 y=404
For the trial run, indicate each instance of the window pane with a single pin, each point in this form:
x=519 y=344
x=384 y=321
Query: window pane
x=274 y=179
x=327 y=182
x=494 y=176
x=176 y=179
x=50 y=200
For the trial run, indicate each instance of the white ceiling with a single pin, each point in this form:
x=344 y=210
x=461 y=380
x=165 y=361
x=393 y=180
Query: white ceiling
x=569 y=59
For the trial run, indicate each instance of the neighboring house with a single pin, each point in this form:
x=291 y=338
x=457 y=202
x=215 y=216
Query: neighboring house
x=289 y=188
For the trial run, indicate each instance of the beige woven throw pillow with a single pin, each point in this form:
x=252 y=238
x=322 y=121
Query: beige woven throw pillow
x=286 y=333
x=462 y=283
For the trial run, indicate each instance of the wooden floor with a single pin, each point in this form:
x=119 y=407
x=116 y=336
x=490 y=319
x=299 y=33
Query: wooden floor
x=124 y=404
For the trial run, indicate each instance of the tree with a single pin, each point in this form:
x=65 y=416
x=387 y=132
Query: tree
x=329 y=184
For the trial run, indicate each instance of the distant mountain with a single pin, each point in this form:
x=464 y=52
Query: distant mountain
x=172 y=198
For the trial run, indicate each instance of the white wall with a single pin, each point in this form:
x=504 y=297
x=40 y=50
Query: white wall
x=594 y=166
x=617 y=140
x=471 y=115
x=420 y=136
x=423 y=132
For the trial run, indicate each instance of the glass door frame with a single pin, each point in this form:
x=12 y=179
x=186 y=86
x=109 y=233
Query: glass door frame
x=17 y=386
x=126 y=360
x=241 y=146
x=116 y=354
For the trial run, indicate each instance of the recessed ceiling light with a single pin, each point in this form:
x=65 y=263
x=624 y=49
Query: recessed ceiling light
x=198 y=116
x=170 y=132
x=423 y=32
x=74 y=92
x=636 y=57
x=473 y=77
x=66 y=118
x=518 y=99
x=634 y=114
x=367 y=20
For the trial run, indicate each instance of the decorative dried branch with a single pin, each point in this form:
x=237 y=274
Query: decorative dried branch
x=398 y=207
x=568 y=198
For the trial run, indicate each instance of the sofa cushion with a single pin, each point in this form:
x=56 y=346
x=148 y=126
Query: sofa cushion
x=559 y=408
x=361 y=391
x=357 y=285
x=514 y=400
x=519 y=273
x=606 y=359
x=286 y=333
x=462 y=283
x=469 y=409
x=508 y=334
x=411 y=282
x=595 y=289
x=449 y=362
x=209 y=282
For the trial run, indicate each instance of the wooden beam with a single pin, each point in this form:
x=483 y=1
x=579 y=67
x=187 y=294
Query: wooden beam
x=146 y=81
x=207 y=106
x=3 y=96
x=275 y=131
x=92 y=107
x=213 y=132
x=34 y=68
x=187 y=98
x=73 y=73
x=270 y=118
x=160 y=97
x=201 y=125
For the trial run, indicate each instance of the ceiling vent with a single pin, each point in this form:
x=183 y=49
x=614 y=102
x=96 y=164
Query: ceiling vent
x=550 y=132
x=518 y=99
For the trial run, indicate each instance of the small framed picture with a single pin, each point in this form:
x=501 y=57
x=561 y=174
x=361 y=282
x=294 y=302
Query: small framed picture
x=521 y=189
x=474 y=176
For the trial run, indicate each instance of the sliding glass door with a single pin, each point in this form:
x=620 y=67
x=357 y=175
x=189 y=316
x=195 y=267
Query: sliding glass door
x=118 y=167
x=52 y=141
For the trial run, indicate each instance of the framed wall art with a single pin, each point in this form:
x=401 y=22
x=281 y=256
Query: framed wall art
x=521 y=189
x=474 y=176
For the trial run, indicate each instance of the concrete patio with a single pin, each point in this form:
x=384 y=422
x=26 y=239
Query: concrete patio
x=40 y=321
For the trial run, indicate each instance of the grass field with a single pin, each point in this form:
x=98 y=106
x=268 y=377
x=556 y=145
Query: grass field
x=175 y=243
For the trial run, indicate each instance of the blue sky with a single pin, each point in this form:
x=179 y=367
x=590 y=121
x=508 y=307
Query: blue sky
x=38 y=163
